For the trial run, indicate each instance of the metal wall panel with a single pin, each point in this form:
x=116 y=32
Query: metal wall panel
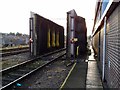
x=112 y=50
x=112 y=53
x=76 y=35
x=107 y=71
x=119 y=45
x=70 y=33
x=81 y=35
x=47 y=36
x=95 y=41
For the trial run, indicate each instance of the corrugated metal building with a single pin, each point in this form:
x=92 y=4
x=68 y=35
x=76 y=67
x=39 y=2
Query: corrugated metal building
x=106 y=40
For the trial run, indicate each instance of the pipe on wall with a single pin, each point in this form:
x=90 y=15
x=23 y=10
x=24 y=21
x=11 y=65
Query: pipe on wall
x=104 y=50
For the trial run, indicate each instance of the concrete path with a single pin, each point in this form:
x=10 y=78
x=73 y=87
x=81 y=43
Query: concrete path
x=84 y=74
x=93 y=75
x=76 y=77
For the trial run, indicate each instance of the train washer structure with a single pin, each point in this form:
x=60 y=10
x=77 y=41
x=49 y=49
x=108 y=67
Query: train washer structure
x=76 y=35
x=45 y=35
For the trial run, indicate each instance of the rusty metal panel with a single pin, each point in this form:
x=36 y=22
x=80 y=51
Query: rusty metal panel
x=76 y=35
x=44 y=36
x=80 y=34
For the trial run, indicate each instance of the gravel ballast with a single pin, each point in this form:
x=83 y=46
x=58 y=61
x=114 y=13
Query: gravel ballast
x=51 y=76
x=9 y=61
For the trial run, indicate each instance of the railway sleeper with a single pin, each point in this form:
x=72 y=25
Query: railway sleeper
x=48 y=58
x=23 y=70
x=30 y=68
x=15 y=74
x=5 y=81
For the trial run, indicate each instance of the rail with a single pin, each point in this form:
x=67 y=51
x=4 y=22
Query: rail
x=20 y=71
x=14 y=51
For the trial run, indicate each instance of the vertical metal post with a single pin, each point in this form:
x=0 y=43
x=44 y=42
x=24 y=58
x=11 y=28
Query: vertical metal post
x=68 y=35
x=31 y=34
x=99 y=46
x=72 y=36
x=104 y=50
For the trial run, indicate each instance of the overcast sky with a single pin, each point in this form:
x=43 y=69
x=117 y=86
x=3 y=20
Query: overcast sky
x=15 y=14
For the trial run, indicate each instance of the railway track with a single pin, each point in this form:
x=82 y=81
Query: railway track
x=20 y=71
x=9 y=52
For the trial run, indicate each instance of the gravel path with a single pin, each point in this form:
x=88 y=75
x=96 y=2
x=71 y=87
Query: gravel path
x=50 y=77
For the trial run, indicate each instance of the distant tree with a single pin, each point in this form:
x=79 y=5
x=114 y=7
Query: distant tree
x=18 y=34
x=25 y=35
x=12 y=33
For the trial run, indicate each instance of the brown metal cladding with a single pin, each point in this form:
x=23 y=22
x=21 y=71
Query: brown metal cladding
x=42 y=27
x=81 y=34
x=96 y=43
